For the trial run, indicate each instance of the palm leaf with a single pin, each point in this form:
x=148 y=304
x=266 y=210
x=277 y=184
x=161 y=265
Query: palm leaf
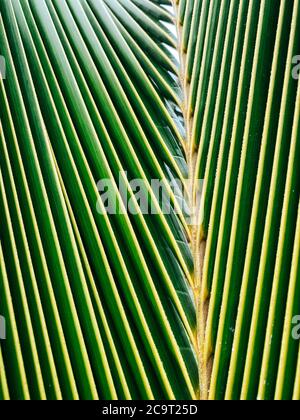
x=110 y=294
x=244 y=121
x=127 y=304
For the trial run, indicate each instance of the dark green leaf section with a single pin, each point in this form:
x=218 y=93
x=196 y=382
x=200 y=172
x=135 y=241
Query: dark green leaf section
x=96 y=305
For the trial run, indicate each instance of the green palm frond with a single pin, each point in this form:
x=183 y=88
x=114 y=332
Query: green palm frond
x=243 y=111
x=127 y=304
x=101 y=303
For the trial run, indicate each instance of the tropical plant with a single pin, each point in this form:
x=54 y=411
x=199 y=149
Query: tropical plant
x=140 y=304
